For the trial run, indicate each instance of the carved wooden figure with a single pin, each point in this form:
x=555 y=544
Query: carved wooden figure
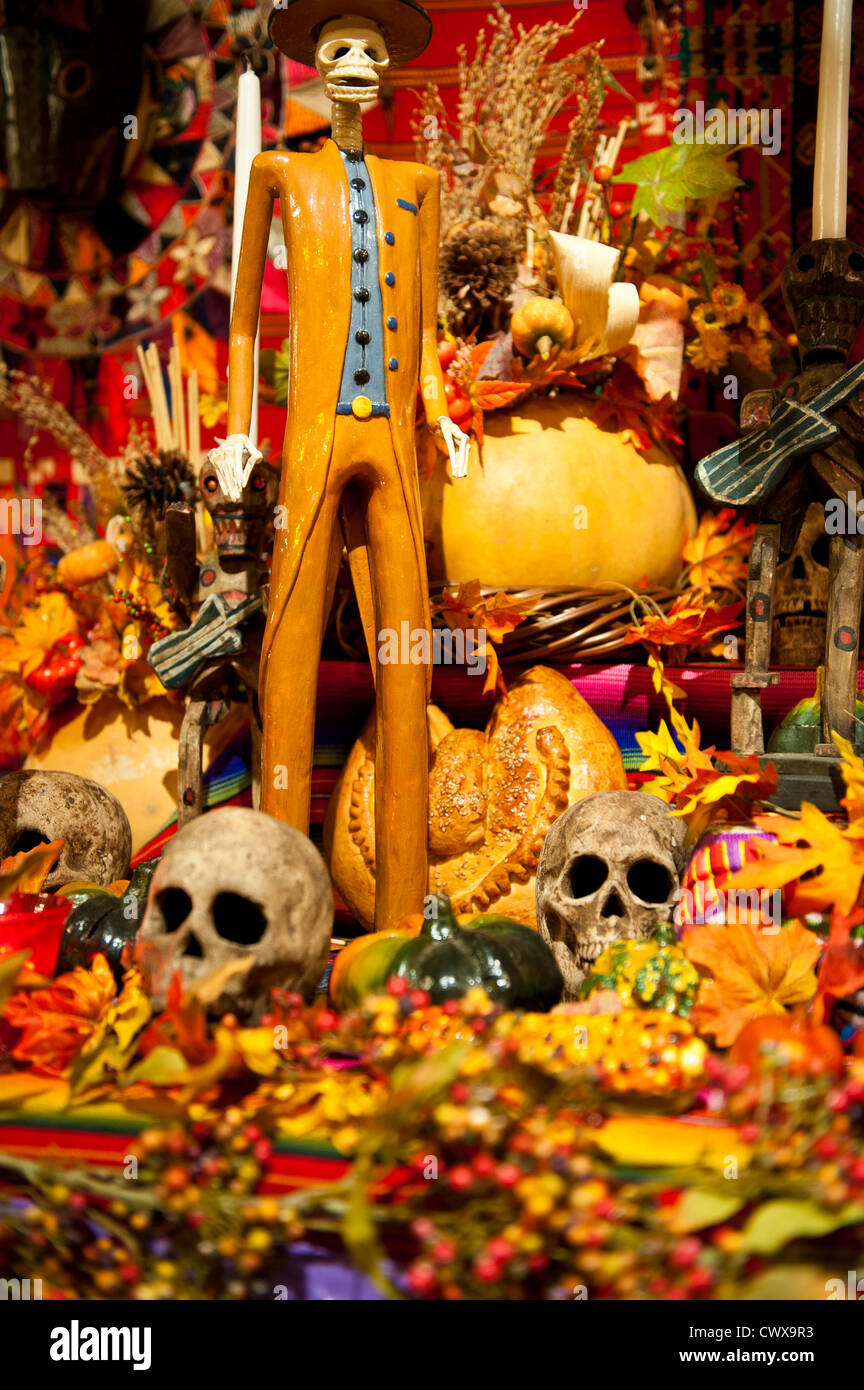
x=803 y=444
x=361 y=237
x=216 y=658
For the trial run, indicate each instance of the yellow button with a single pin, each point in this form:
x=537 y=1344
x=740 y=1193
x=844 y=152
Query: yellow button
x=362 y=407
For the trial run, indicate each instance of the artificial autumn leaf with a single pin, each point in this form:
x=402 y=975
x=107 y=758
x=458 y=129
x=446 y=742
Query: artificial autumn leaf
x=57 y=1021
x=666 y=178
x=496 y=615
x=716 y=795
x=841 y=971
x=641 y=423
x=718 y=555
x=10 y=969
x=831 y=857
x=852 y=768
x=689 y=623
x=753 y=973
x=39 y=630
x=26 y=871
x=497 y=395
x=114 y=1042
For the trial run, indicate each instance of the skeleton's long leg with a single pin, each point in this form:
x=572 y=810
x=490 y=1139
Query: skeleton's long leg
x=845 y=587
x=747 y=685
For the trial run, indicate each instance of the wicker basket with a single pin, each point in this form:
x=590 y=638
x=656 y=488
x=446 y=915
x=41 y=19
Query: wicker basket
x=563 y=625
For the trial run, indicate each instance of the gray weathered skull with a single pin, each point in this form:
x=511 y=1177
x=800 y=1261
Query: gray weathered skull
x=801 y=596
x=610 y=868
x=236 y=884
x=38 y=807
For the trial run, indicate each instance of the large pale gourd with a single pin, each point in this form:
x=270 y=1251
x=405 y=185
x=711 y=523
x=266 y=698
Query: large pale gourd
x=131 y=752
x=557 y=502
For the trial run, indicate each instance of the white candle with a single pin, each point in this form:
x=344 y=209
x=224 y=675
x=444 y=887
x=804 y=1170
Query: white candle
x=247 y=143
x=832 y=123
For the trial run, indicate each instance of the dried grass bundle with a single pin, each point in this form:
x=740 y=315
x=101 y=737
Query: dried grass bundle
x=509 y=94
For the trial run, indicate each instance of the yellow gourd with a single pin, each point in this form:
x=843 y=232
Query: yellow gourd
x=86 y=564
x=539 y=325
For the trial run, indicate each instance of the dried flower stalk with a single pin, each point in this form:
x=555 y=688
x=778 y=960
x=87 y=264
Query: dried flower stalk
x=509 y=94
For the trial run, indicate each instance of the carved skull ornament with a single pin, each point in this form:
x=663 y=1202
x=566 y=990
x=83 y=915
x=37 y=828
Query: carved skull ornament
x=38 y=807
x=823 y=286
x=351 y=59
x=235 y=884
x=801 y=596
x=610 y=868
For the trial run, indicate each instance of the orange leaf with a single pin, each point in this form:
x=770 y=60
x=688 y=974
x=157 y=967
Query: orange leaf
x=841 y=971
x=718 y=553
x=831 y=857
x=57 y=1021
x=495 y=395
x=753 y=973
x=26 y=872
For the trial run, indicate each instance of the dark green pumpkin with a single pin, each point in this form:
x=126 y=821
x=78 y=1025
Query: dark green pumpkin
x=511 y=962
x=100 y=924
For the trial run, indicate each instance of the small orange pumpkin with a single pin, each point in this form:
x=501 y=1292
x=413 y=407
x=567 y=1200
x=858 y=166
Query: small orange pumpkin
x=362 y=966
x=804 y=1048
x=539 y=325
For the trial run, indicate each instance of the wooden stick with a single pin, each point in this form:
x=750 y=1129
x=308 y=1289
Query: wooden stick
x=178 y=400
x=158 y=400
x=194 y=423
x=151 y=396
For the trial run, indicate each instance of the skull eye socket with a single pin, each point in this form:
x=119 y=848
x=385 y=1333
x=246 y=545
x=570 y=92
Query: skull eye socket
x=175 y=906
x=856 y=260
x=210 y=483
x=342 y=52
x=805 y=262
x=258 y=482
x=649 y=881
x=587 y=874
x=32 y=839
x=239 y=920
x=820 y=551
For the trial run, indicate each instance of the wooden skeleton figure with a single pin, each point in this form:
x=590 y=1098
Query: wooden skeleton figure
x=801 y=444
x=216 y=658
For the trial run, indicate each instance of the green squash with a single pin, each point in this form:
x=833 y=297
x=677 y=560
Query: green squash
x=511 y=962
x=801 y=729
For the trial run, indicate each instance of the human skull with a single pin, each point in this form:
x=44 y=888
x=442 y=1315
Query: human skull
x=823 y=286
x=238 y=885
x=610 y=868
x=801 y=596
x=38 y=807
x=351 y=58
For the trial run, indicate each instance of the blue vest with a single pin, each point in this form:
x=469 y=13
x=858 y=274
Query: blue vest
x=363 y=369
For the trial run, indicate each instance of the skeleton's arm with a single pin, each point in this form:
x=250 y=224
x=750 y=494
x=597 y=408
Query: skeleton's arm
x=247 y=299
x=431 y=375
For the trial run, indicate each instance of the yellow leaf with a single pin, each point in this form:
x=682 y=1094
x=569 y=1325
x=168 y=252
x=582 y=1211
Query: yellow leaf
x=660 y=1141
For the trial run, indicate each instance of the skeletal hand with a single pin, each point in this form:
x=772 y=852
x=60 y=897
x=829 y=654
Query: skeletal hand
x=458 y=443
x=234 y=460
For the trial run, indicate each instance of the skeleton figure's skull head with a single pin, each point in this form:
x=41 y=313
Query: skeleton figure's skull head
x=239 y=527
x=801 y=596
x=610 y=868
x=351 y=59
x=823 y=286
x=235 y=885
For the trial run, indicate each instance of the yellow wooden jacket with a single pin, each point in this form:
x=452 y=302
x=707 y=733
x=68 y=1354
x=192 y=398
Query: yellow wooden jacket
x=314 y=200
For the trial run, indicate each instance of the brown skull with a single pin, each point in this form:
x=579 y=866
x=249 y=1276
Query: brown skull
x=38 y=807
x=237 y=885
x=610 y=868
x=801 y=596
x=823 y=286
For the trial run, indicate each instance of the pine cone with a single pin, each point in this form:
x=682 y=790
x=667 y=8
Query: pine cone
x=478 y=266
x=153 y=482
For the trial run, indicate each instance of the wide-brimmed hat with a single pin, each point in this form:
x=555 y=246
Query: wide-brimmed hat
x=296 y=24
